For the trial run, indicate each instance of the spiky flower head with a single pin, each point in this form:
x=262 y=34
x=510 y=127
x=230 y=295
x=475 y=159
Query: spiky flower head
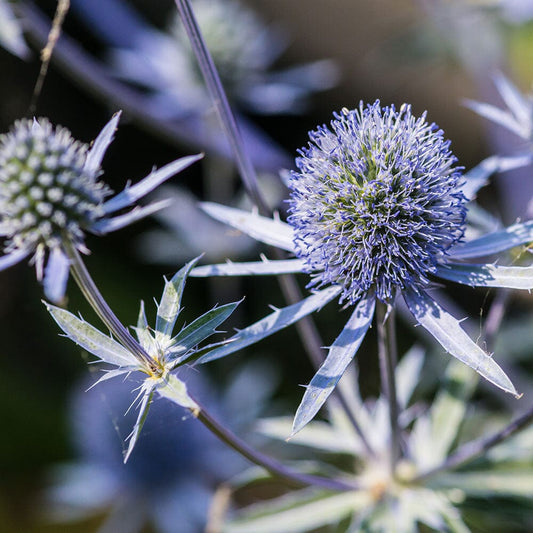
x=46 y=190
x=376 y=202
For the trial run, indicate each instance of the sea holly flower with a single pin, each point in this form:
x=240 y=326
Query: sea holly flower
x=50 y=194
x=378 y=209
x=165 y=351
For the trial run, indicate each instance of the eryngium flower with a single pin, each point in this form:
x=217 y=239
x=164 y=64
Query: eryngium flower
x=377 y=209
x=50 y=193
x=377 y=201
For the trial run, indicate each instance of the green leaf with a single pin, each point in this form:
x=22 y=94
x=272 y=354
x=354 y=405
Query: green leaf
x=169 y=306
x=299 y=512
x=448 y=332
x=91 y=339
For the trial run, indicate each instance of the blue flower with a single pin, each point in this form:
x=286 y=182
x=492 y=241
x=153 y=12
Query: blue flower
x=377 y=209
x=50 y=193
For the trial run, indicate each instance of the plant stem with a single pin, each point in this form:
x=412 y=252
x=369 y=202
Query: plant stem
x=96 y=300
x=386 y=332
x=220 y=101
x=473 y=449
x=293 y=477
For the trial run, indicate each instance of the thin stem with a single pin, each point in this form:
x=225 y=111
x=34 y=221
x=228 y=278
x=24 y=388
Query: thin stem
x=220 y=100
x=292 y=477
x=473 y=449
x=96 y=300
x=386 y=332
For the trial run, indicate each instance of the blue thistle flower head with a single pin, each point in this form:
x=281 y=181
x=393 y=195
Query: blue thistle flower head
x=376 y=202
x=46 y=190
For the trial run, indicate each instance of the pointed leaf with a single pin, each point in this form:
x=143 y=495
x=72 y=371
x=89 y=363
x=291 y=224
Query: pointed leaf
x=497 y=115
x=408 y=375
x=517 y=104
x=56 y=275
x=108 y=225
x=131 y=194
x=142 y=322
x=268 y=230
x=488 y=275
x=279 y=319
x=11 y=34
x=91 y=339
x=499 y=241
x=198 y=330
x=478 y=176
x=299 y=512
x=341 y=352
x=257 y=268
x=169 y=306
x=147 y=397
x=100 y=145
x=447 y=331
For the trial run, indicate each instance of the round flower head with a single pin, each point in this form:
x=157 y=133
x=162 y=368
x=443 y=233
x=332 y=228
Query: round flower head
x=50 y=196
x=376 y=202
x=46 y=190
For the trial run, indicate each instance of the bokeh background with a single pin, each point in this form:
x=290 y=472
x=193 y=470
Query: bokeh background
x=432 y=54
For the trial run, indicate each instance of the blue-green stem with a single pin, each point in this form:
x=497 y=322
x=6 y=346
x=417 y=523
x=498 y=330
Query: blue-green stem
x=387 y=352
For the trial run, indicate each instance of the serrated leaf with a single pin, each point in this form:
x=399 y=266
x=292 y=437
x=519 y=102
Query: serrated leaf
x=147 y=397
x=198 y=330
x=91 y=339
x=448 y=332
x=499 y=241
x=487 y=275
x=341 y=352
x=169 y=306
x=252 y=268
x=268 y=230
x=279 y=319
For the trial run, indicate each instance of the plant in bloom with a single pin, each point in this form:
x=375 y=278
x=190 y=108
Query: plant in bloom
x=378 y=209
x=164 y=352
x=51 y=194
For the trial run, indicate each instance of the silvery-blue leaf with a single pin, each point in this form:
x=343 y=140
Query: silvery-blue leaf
x=170 y=304
x=92 y=340
x=13 y=258
x=253 y=268
x=487 y=275
x=175 y=390
x=512 y=97
x=100 y=145
x=448 y=332
x=341 y=352
x=142 y=322
x=198 y=330
x=477 y=177
x=11 y=35
x=279 y=319
x=499 y=241
x=108 y=225
x=497 y=115
x=133 y=437
x=268 y=230
x=131 y=194
x=56 y=275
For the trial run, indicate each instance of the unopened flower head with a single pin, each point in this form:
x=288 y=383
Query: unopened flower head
x=376 y=202
x=46 y=191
